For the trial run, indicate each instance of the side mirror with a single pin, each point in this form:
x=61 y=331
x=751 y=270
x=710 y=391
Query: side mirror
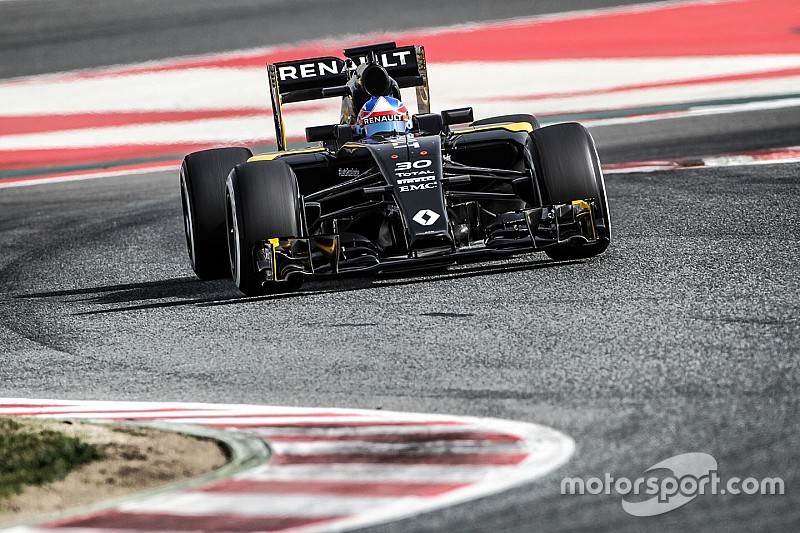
x=339 y=133
x=342 y=133
x=457 y=116
x=320 y=133
x=430 y=123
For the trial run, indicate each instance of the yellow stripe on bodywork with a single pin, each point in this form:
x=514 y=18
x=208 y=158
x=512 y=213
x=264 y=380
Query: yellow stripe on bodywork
x=511 y=126
x=273 y=156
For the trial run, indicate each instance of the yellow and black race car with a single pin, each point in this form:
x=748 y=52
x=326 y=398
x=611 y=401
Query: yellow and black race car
x=382 y=190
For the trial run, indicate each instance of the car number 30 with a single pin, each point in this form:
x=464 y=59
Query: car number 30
x=400 y=166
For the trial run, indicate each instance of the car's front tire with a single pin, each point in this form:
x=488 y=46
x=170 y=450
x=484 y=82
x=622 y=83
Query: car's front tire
x=262 y=201
x=202 y=181
x=568 y=169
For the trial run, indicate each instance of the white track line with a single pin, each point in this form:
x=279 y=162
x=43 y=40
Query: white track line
x=199 y=503
x=376 y=473
x=411 y=448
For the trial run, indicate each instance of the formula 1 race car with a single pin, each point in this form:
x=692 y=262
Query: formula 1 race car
x=440 y=190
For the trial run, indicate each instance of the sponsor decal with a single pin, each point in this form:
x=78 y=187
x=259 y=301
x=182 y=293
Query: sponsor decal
x=408 y=169
x=401 y=61
x=426 y=217
x=382 y=118
x=419 y=187
x=416 y=180
x=396 y=58
x=413 y=173
x=348 y=172
x=312 y=69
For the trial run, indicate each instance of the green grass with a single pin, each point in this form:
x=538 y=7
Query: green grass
x=30 y=455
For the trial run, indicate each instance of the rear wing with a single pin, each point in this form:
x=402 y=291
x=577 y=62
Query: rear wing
x=305 y=79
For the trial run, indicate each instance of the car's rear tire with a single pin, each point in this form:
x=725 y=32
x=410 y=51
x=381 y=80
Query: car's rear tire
x=568 y=169
x=202 y=180
x=519 y=117
x=262 y=202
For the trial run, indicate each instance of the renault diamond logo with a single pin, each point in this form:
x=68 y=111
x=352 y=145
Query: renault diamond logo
x=426 y=217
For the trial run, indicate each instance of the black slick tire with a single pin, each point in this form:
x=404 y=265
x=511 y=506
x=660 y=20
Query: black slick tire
x=202 y=181
x=568 y=169
x=262 y=202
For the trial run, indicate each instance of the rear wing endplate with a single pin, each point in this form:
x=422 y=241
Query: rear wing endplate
x=304 y=79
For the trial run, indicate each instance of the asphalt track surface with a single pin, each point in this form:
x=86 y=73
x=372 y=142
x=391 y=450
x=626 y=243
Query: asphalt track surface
x=683 y=337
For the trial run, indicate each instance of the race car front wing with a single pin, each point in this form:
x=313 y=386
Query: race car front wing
x=528 y=230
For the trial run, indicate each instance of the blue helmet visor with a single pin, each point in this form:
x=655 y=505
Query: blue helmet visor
x=394 y=126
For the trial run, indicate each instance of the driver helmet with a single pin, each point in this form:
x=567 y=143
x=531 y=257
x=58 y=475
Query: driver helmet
x=383 y=115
